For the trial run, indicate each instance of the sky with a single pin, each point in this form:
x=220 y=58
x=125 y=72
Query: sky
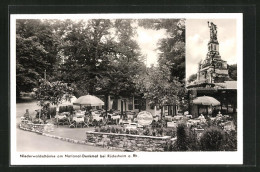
x=198 y=35
x=147 y=40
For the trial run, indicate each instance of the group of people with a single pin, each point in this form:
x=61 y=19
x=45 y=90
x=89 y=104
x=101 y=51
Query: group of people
x=38 y=116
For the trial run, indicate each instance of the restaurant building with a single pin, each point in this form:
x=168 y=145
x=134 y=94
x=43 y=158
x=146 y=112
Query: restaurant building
x=138 y=104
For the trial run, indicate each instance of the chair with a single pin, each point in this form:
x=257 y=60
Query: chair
x=72 y=124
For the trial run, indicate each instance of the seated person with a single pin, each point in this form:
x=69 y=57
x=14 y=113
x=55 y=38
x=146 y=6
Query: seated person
x=202 y=118
x=27 y=115
x=219 y=114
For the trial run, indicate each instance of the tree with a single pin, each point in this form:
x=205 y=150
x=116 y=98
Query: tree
x=232 y=71
x=124 y=63
x=172 y=47
x=165 y=85
x=192 y=78
x=158 y=87
x=52 y=93
x=100 y=56
x=86 y=48
x=36 y=50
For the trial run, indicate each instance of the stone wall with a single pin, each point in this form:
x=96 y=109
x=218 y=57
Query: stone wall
x=38 y=128
x=129 y=142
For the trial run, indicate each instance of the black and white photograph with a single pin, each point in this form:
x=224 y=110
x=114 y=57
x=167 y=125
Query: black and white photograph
x=126 y=89
x=211 y=73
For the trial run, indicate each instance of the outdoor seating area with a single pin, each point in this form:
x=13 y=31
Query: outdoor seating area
x=112 y=121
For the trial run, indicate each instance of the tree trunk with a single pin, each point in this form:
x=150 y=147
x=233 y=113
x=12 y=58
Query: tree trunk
x=122 y=108
x=106 y=103
x=125 y=109
x=161 y=112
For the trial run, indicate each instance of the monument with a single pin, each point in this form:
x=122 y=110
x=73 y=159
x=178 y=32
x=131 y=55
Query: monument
x=213 y=69
x=213 y=80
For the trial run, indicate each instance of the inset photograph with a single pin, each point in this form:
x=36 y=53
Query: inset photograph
x=211 y=75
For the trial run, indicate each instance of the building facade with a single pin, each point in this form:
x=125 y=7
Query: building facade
x=138 y=104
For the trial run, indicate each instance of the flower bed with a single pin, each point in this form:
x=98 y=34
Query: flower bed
x=129 y=142
x=158 y=132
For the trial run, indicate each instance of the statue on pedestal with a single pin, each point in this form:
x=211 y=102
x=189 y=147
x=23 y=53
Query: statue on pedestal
x=213 y=31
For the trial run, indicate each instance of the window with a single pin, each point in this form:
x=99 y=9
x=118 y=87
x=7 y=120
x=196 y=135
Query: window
x=136 y=104
x=115 y=104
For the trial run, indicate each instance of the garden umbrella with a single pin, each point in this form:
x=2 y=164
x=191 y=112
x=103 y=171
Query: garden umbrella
x=206 y=100
x=88 y=100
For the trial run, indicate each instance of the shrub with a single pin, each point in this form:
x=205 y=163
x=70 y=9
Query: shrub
x=103 y=129
x=168 y=146
x=182 y=138
x=108 y=129
x=113 y=130
x=234 y=119
x=127 y=131
x=96 y=130
x=212 y=139
x=146 y=132
x=120 y=130
x=154 y=124
x=159 y=131
x=170 y=132
x=230 y=142
x=134 y=132
x=154 y=132
x=193 y=143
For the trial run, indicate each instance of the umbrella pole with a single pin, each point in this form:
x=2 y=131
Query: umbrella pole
x=198 y=110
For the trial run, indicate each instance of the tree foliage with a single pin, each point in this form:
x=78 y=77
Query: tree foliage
x=172 y=47
x=232 y=71
x=53 y=92
x=192 y=78
x=100 y=56
x=158 y=87
x=36 y=51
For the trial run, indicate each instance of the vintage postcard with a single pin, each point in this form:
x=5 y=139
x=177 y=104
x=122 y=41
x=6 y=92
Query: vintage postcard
x=94 y=89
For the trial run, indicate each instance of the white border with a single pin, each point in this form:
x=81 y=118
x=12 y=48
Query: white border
x=142 y=157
